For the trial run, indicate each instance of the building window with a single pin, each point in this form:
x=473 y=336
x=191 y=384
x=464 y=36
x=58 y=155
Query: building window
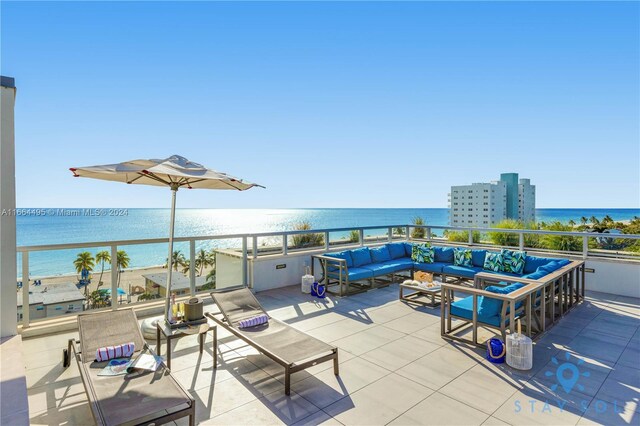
x=39 y=308
x=58 y=308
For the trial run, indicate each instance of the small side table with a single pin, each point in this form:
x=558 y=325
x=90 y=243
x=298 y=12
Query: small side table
x=433 y=293
x=175 y=333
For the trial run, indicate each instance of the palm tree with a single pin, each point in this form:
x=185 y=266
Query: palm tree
x=607 y=219
x=186 y=266
x=594 y=220
x=177 y=260
x=84 y=262
x=122 y=262
x=102 y=257
x=205 y=259
x=583 y=221
x=418 y=232
x=572 y=223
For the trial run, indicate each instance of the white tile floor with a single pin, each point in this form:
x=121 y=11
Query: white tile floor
x=395 y=369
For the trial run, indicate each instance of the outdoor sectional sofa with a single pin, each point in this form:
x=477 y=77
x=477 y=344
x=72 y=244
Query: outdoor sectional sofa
x=542 y=293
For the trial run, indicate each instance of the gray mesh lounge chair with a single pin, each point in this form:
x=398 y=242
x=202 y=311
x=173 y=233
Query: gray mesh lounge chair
x=287 y=346
x=150 y=398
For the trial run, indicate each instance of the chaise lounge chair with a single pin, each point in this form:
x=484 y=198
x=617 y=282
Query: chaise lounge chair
x=150 y=398
x=287 y=346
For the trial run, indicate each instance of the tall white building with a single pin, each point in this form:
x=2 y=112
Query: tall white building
x=484 y=204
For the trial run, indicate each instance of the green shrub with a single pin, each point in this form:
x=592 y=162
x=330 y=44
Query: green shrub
x=462 y=236
x=560 y=242
x=148 y=296
x=505 y=238
x=418 y=232
x=306 y=240
x=354 y=236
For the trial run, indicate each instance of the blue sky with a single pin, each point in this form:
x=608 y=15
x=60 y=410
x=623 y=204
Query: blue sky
x=328 y=104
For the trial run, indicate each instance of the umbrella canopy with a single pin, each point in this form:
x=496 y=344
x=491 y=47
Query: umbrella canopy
x=174 y=172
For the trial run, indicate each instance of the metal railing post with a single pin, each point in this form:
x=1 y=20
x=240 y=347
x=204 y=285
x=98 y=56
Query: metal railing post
x=25 y=289
x=428 y=233
x=192 y=266
x=285 y=245
x=245 y=261
x=521 y=241
x=361 y=237
x=407 y=231
x=390 y=234
x=114 y=277
x=326 y=240
x=585 y=247
x=470 y=236
x=254 y=248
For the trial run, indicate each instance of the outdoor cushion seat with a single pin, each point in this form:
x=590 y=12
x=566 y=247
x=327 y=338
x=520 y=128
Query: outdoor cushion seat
x=384 y=268
x=355 y=274
x=396 y=250
x=462 y=271
x=345 y=255
x=380 y=254
x=430 y=267
x=535 y=275
x=510 y=274
x=531 y=263
x=397 y=265
x=477 y=257
x=361 y=256
x=464 y=308
x=443 y=254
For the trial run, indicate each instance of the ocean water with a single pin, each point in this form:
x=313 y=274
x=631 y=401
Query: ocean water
x=154 y=223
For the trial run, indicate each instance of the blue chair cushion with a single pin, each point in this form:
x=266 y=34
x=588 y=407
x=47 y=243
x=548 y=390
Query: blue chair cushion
x=463 y=308
x=490 y=307
x=408 y=249
x=513 y=260
x=477 y=257
x=535 y=275
x=380 y=268
x=355 y=274
x=396 y=250
x=510 y=274
x=346 y=255
x=443 y=254
x=532 y=263
x=430 y=267
x=380 y=254
x=361 y=256
x=398 y=265
x=461 y=271
x=462 y=257
x=422 y=253
x=493 y=262
x=550 y=267
x=563 y=262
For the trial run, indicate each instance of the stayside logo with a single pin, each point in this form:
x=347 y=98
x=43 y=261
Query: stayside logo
x=567 y=375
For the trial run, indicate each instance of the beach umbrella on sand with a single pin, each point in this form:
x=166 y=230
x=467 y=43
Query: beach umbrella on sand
x=174 y=172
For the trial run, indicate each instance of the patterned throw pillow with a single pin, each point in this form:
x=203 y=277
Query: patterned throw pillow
x=422 y=253
x=462 y=257
x=513 y=260
x=493 y=262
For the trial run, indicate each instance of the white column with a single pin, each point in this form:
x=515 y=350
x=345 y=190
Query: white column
x=8 y=272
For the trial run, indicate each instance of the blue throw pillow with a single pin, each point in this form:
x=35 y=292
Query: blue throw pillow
x=477 y=257
x=489 y=307
x=513 y=261
x=422 y=253
x=443 y=254
x=396 y=250
x=380 y=254
x=493 y=262
x=361 y=256
x=346 y=255
x=462 y=257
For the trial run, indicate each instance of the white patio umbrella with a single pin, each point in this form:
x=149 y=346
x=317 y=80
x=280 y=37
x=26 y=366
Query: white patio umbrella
x=174 y=172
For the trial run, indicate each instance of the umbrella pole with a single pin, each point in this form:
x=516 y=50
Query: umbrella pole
x=174 y=190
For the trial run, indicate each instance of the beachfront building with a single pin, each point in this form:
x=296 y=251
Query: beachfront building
x=46 y=301
x=485 y=204
x=180 y=284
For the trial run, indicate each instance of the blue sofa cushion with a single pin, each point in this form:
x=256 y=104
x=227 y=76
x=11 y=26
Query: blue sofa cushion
x=355 y=274
x=461 y=271
x=510 y=274
x=422 y=253
x=563 y=262
x=380 y=254
x=462 y=257
x=493 y=262
x=477 y=257
x=532 y=263
x=550 y=267
x=346 y=255
x=430 y=267
x=408 y=249
x=443 y=254
x=401 y=264
x=396 y=250
x=490 y=307
x=463 y=308
x=361 y=256
x=380 y=268
x=513 y=260
x=535 y=275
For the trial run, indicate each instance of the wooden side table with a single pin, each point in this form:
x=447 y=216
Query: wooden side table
x=175 y=333
x=416 y=292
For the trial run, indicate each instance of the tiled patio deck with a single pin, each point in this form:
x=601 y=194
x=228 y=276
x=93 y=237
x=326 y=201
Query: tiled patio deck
x=395 y=369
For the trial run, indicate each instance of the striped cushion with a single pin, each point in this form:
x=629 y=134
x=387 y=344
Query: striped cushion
x=254 y=321
x=106 y=353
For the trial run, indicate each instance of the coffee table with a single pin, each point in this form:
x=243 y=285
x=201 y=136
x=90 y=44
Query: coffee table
x=176 y=333
x=417 y=294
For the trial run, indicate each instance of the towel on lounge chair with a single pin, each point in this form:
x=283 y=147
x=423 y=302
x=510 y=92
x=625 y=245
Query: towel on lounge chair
x=106 y=353
x=253 y=321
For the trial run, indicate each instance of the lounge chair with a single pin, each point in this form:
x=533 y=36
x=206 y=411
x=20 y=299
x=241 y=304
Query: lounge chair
x=287 y=346
x=150 y=398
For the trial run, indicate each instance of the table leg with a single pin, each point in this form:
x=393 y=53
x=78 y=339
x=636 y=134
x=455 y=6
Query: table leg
x=215 y=347
x=168 y=352
x=201 y=338
x=158 y=343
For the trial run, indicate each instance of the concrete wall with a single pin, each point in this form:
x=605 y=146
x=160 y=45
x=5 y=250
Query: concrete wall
x=228 y=269
x=621 y=278
x=8 y=308
x=266 y=275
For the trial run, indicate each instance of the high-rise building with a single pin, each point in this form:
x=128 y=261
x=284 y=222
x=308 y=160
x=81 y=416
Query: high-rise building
x=484 y=204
